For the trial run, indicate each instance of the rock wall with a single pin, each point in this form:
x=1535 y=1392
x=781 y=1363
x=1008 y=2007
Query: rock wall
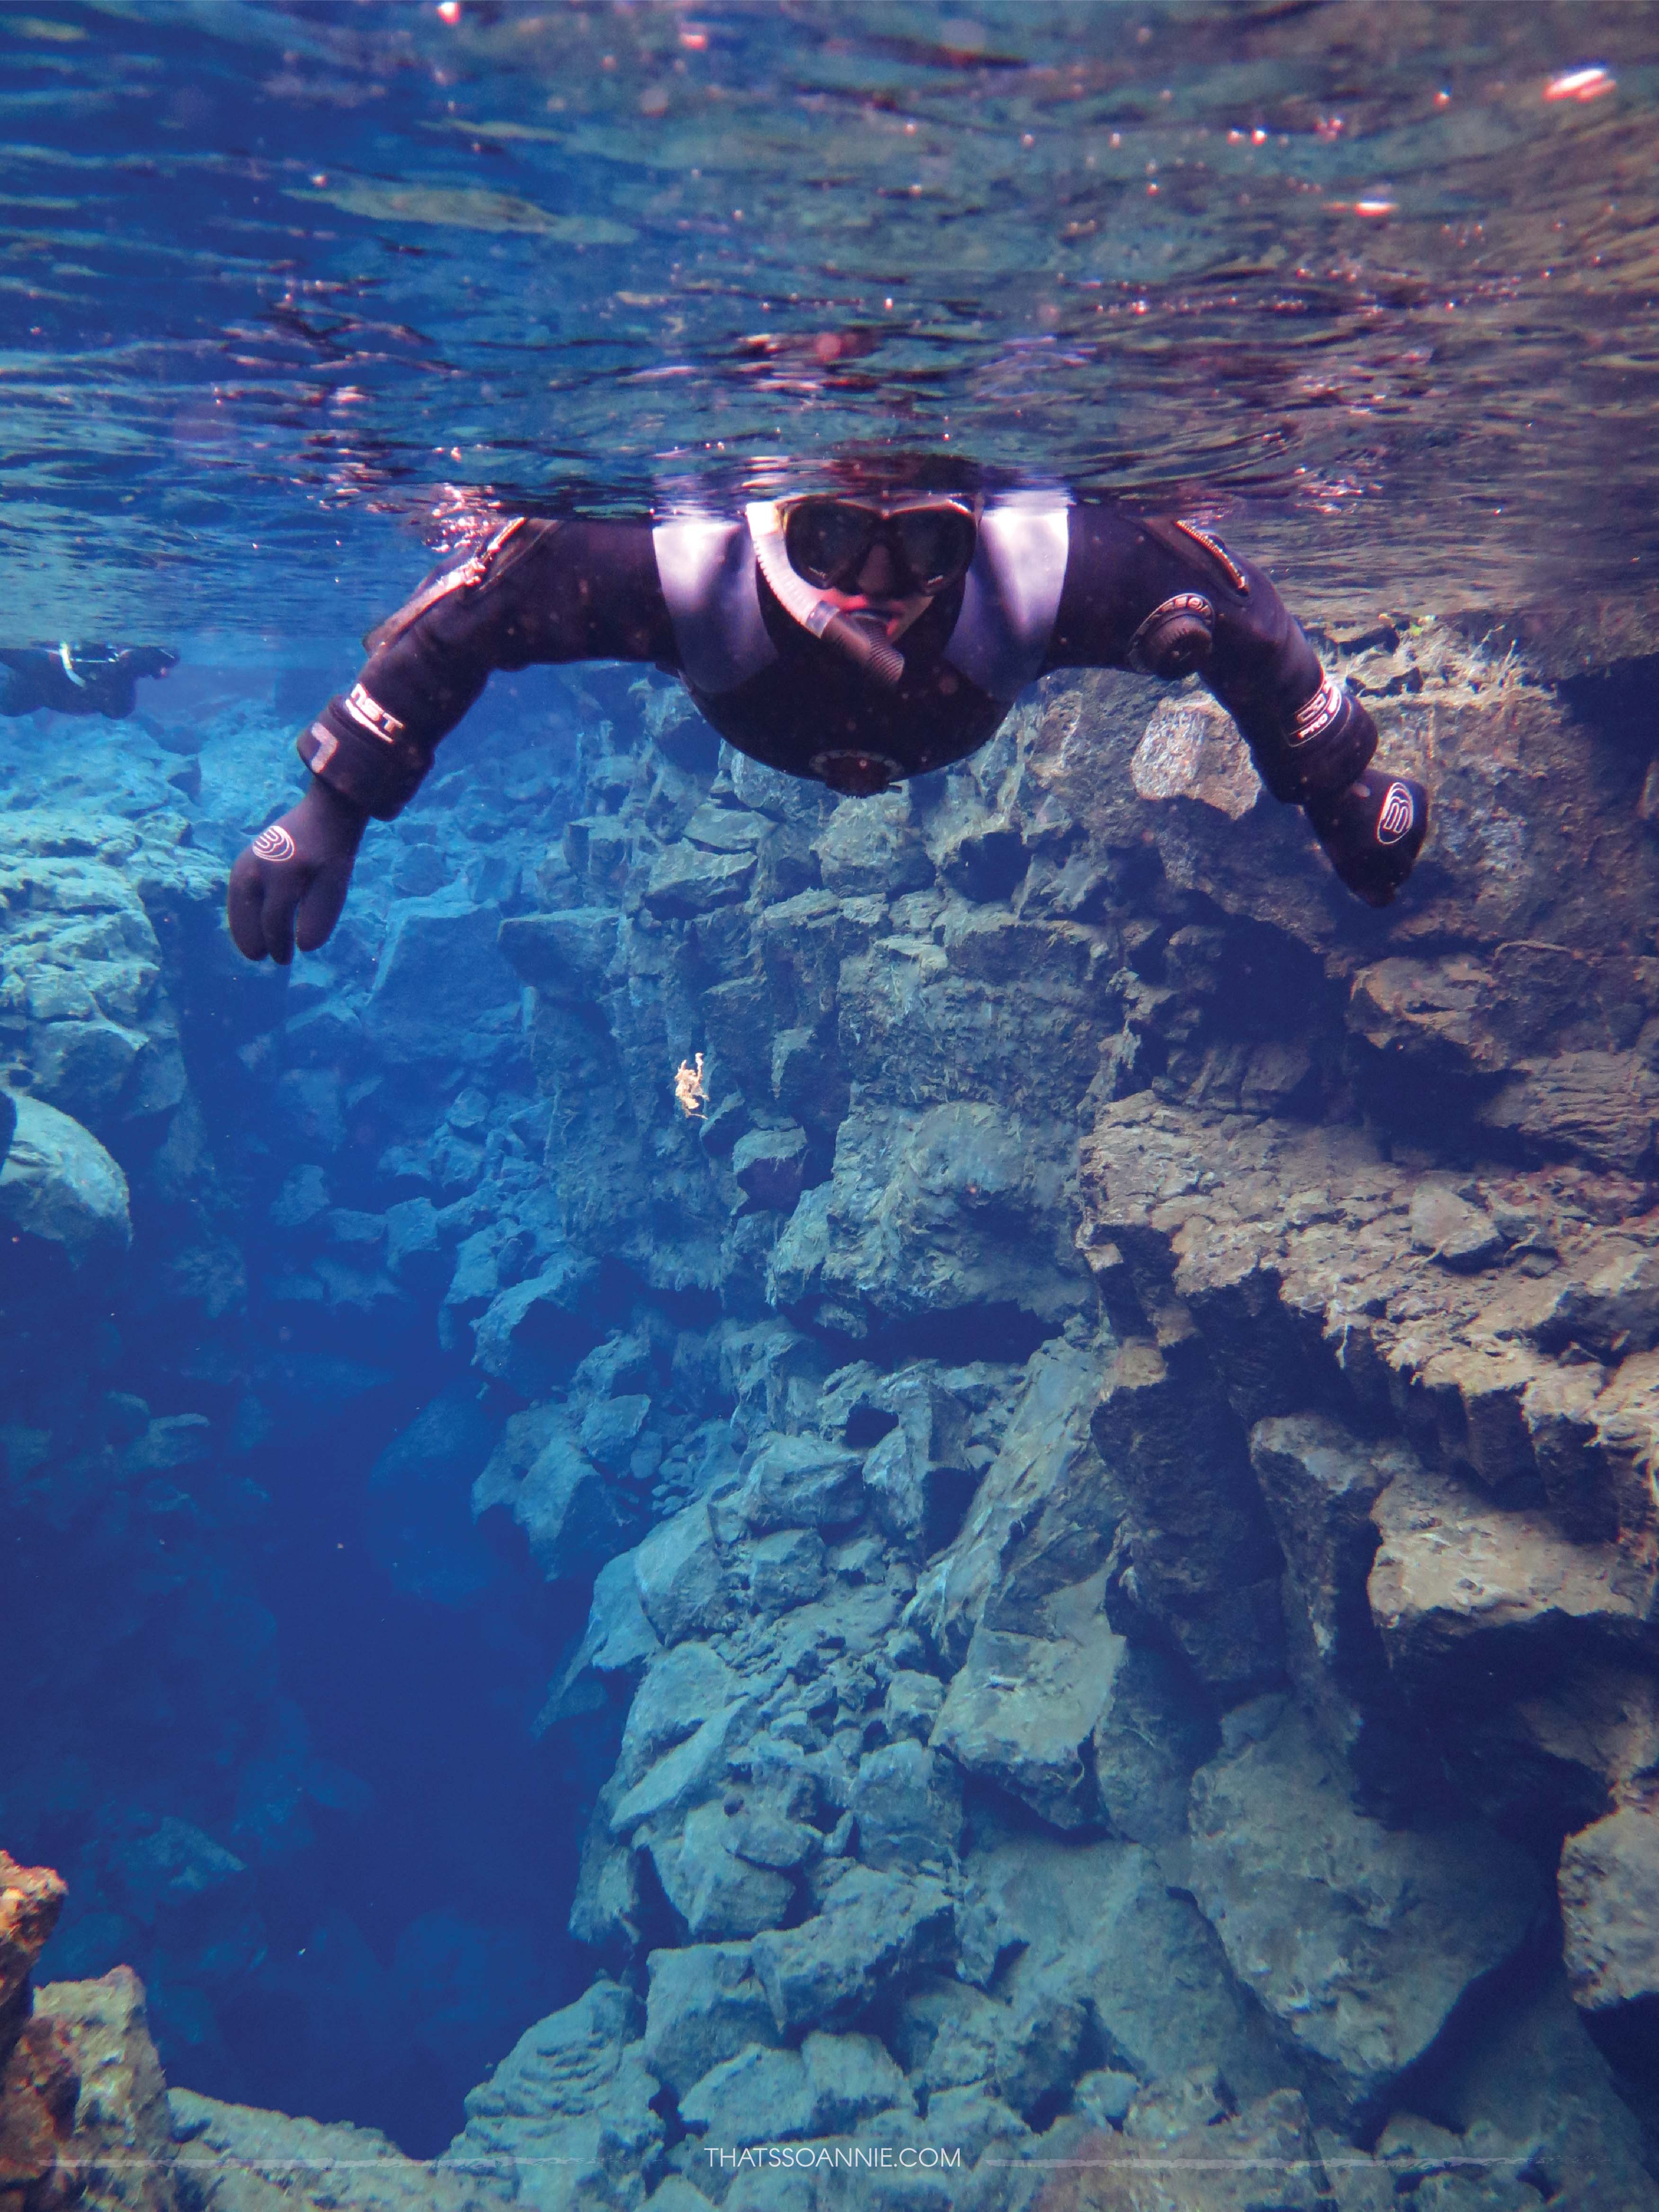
x=1158 y=1603
x=1112 y=1457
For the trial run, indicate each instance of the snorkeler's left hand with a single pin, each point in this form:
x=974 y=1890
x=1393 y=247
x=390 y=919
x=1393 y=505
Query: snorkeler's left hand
x=288 y=887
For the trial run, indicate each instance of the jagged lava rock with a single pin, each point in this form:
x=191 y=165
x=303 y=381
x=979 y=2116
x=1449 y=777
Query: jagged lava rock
x=234 y=2158
x=39 y=2076
x=124 y=2132
x=875 y=1928
x=59 y=1184
x=1358 y=1941
x=1609 y=1890
x=572 y=2100
x=704 y=2006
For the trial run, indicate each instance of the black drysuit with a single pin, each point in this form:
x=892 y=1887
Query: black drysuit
x=77 y=679
x=1072 y=588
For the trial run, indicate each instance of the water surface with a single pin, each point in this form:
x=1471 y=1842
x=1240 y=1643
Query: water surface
x=273 y=271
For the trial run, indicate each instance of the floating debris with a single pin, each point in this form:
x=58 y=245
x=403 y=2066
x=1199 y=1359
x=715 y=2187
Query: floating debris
x=688 y=1093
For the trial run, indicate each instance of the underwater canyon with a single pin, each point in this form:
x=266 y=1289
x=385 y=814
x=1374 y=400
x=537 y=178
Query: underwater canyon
x=1067 y=1564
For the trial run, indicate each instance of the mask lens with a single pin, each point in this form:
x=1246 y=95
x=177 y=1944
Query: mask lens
x=936 y=543
x=827 y=542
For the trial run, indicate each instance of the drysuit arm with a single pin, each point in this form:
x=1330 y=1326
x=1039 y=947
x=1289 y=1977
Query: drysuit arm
x=529 y=591
x=1170 y=599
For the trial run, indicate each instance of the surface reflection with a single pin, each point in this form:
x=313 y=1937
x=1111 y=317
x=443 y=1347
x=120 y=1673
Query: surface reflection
x=1390 y=272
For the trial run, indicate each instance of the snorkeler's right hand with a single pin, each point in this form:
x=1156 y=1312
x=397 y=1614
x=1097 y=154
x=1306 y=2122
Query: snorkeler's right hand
x=289 y=885
x=1372 y=831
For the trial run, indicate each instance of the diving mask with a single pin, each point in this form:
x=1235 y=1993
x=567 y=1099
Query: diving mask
x=929 y=541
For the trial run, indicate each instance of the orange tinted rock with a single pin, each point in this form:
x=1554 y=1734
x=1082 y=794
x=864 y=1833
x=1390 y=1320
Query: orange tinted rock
x=31 y=1898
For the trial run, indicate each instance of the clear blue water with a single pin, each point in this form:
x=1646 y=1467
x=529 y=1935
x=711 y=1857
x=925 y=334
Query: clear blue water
x=287 y=293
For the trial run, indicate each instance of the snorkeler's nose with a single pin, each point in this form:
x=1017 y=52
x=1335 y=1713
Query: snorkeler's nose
x=876 y=577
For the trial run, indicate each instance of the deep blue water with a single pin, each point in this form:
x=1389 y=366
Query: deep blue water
x=289 y=291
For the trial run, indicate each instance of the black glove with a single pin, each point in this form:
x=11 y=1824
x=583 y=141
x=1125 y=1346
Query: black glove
x=1373 y=830
x=289 y=885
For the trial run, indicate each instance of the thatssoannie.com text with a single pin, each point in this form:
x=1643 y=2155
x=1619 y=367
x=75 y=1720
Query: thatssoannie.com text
x=853 y=2155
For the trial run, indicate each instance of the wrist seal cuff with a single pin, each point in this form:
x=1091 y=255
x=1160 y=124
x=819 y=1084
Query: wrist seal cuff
x=1329 y=743
x=378 y=776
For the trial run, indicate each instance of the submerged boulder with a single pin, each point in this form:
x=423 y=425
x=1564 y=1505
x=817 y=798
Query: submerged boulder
x=1358 y=1941
x=571 y=2101
x=1609 y=1888
x=59 y=1184
x=442 y=968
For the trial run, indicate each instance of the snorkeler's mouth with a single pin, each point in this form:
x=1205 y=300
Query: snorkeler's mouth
x=894 y=615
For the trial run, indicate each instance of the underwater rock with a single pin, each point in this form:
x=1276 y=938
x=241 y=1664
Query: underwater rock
x=704 y=2006
x=1473 y=1598
x=233 y=2158
x=871 y=846
x=875 y=1928
x=441 y=968
x=1096 y=1924
x=1358 y=1940
x=1044 y=1515
x=906 y=1803
x=1609 y=1890
x=31 y=1898
x=681 y=1574
x=59 y=1184
x=681 y=1689
x=1535 y=2096
x=785 y=1569
x=759 y=2096
x=927 y=1018
x=770 y=1166
x=1599 y=1106
x=40 y=2074
x=1461 y=1237
x=572 y=2100
x=83 y=1007
x=124 y=2131
x=1022 y=1711
x=1197 y=1551
x=683 y=1776
x=1192 y=750
x=564 y=954
x=944 y=1218
x=533 y=1332
x=1221 y=2166
x=1155 y=1730
x=793 y=1482
x=714 y=1887
x=687 y=880
x=574 y=1513
x=1321 y=1483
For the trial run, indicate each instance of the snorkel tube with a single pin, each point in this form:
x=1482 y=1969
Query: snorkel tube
x=810 y=608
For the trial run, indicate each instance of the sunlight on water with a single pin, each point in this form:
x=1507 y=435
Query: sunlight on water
x=1385 y=275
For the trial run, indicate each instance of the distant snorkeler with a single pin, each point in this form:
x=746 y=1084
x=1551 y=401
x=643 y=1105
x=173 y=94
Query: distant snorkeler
x=77 y=679
x=856 y=636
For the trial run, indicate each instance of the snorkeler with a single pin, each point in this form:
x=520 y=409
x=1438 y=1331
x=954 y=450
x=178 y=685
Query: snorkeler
x=855 y=638
x=77 y=679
